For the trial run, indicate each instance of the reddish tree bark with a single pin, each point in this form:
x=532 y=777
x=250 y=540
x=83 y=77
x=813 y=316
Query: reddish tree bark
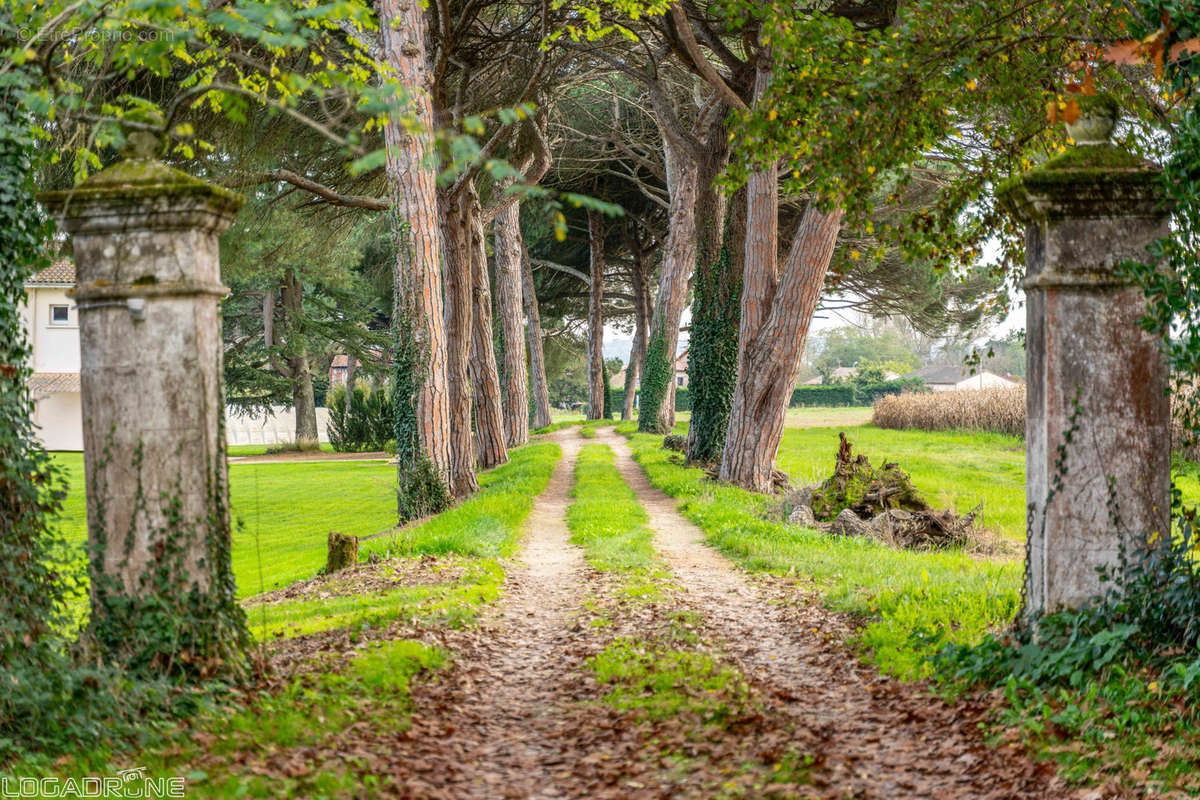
x=457 y=223
x=775 y=319
x=693 y=163
x=509 y=246
x=642 y=311
x=596 y=317
x=485 y=379
x=299 y=371
x=412 y=189
x=533 y=332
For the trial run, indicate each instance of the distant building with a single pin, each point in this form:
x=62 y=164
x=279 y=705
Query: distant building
x=681 y=373
x=958 y=378
x=845 y=374
x=51 y=323
x=341 y=363
x=617 y=381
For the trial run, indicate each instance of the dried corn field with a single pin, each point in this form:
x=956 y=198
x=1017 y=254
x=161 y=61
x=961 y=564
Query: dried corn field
x=989 y=410
x=994 y=410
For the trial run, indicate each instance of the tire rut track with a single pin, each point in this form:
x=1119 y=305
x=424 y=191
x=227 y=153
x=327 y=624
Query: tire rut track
x=880 y=738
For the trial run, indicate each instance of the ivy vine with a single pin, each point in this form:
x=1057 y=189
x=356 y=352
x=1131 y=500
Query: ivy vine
x=713 y=353
x=657 y=373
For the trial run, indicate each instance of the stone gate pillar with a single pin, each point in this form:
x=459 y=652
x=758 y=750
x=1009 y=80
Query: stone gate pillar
x=1092 y=372
x=149 y=291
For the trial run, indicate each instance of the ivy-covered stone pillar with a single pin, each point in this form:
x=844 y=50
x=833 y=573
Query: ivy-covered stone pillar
x=1098 y=436
x=145 y=238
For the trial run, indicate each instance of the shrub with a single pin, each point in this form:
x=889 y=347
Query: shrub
x=361 y=421
x=992 y=410
x=856 y=393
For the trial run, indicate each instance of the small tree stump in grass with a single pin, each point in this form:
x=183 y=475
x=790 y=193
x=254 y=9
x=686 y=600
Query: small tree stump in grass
x=343 y=552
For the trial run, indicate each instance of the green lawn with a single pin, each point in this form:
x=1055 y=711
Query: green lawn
x=282 y=511
x=952 y=470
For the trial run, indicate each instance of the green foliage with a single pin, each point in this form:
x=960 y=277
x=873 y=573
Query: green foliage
x=608 y=393
x=713 y=353
x=1120 y=673
x=854 y=347
x=454 y=602
x=658 y=371
x=361 y=421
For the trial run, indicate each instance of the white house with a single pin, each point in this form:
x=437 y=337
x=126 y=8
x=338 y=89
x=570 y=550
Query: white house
x=52 y=326
x=845 y=374
x=959 y=378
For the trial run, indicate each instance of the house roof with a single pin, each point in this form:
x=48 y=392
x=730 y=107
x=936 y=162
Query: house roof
x=941 y=373
x=948 y=374
x=60 y=273
x=681 y=361
x=42 y=384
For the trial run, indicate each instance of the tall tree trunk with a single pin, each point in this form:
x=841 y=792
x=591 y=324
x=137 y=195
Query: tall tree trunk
x=657 y=411
x=509 y=244
x=596 y=374
x=713 y=352
x=776 y=313
x=485 y=380
x=533 y=332
x=351 y=373
x=299 y=371
x=418 y=321
x=457 y=225
x=640 y=280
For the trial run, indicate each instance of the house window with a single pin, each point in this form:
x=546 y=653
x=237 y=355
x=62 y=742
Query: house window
x=60 y=315
x=679 y=380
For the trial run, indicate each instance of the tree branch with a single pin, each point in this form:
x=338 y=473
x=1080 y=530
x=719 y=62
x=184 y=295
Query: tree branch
x=324 y=192
x=702 y=64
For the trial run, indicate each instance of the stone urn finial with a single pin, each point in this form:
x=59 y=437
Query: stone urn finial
x=1098 y=114
x=144 y=134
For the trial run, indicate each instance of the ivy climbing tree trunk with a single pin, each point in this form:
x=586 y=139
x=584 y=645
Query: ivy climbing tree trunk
x=485 y=379
x=697 y=216
x=509 y=246
x=418 y=318
x=533 y=332
x=596 y=374
x=457 y=225
x=713 y=353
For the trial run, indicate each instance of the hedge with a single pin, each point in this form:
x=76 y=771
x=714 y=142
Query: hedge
x=683 y=400
x=850 y=394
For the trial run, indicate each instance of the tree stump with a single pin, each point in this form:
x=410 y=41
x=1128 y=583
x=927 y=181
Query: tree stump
x=343 y=552
x=866 y=491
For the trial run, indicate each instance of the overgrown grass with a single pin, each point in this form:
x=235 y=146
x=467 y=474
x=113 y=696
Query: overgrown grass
x=453 y=603
x=485 y=525
x=660 y=682
x=912 y=604
x=606 y=518
x=219 y=754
